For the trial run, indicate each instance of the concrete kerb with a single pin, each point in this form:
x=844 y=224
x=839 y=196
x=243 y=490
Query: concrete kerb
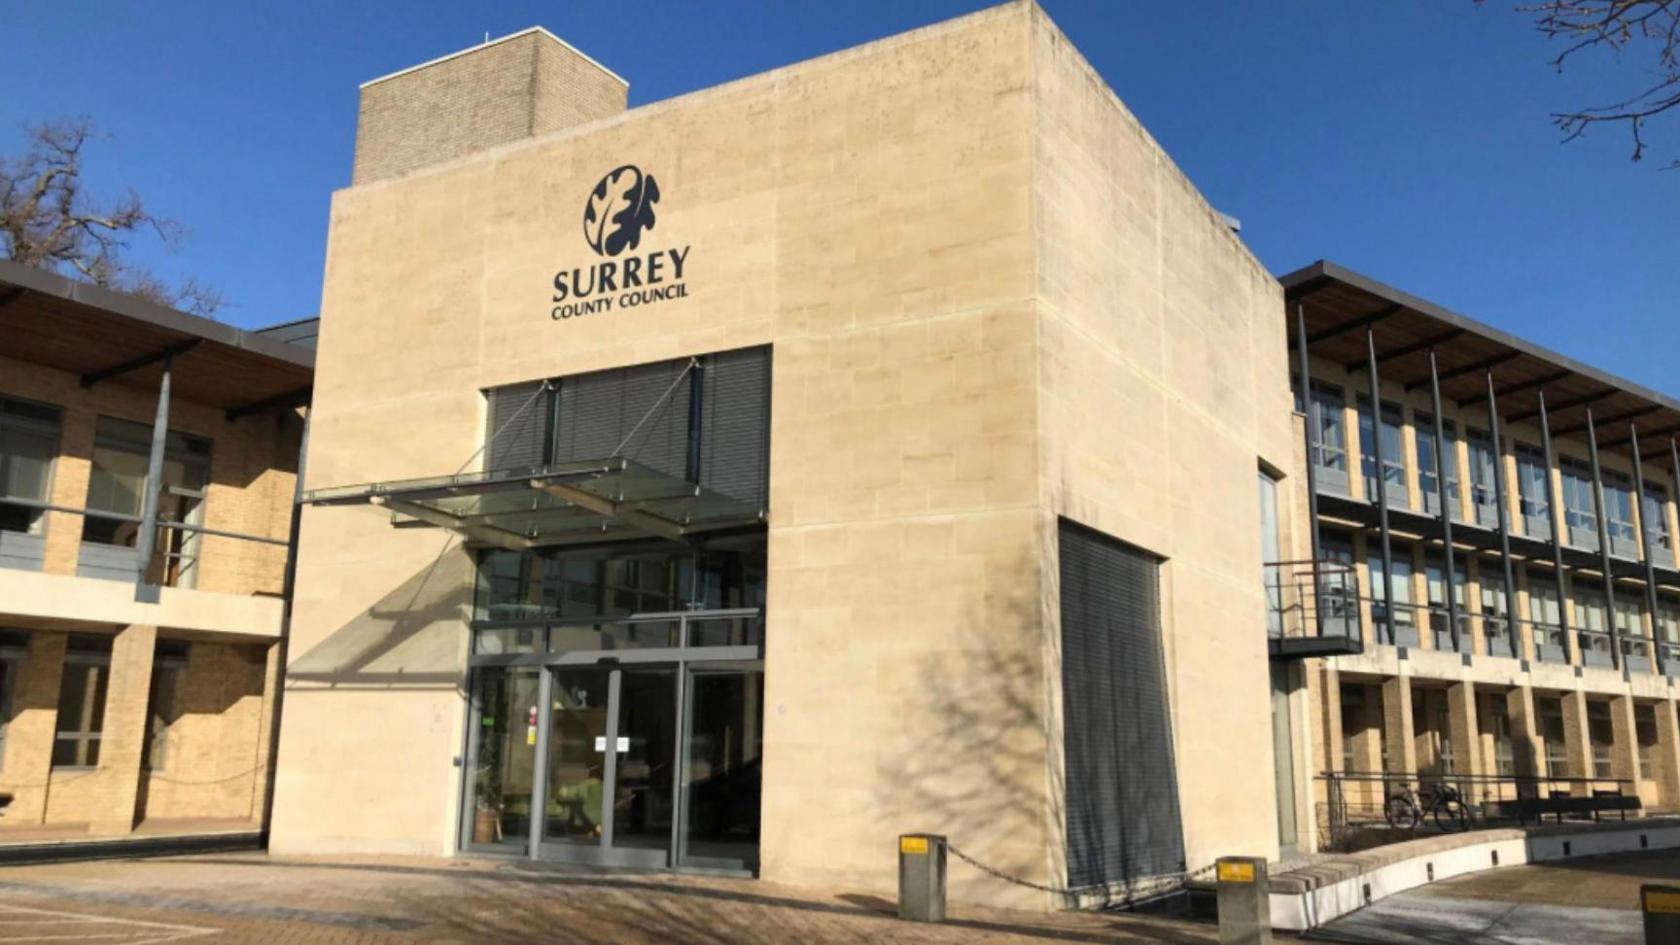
x=1312 y=895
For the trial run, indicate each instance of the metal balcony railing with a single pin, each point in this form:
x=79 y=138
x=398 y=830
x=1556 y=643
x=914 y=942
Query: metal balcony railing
x=1312 y=608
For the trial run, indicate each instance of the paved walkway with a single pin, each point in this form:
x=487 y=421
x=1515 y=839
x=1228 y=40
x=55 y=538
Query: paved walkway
x=240 y=898
x=1586 y=901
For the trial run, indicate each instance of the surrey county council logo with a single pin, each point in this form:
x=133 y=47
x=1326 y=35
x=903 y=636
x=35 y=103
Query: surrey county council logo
x=615 y=216
x=619 y=209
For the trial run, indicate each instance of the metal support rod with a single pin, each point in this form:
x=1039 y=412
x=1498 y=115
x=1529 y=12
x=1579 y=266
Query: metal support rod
x=1310 y=407
x=288 y=595
x=1441 y=498
x=1382 y=483
x=1503 y=519
x=1557 y=526
x=696 y=402
x=146 y=542
x=1604 y=544
x=1645 y=548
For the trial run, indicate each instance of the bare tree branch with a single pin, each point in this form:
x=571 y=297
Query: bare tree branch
x=46 y=220
x=1617 y=26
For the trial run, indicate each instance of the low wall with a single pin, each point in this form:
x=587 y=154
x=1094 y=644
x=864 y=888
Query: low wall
x=1309 y=896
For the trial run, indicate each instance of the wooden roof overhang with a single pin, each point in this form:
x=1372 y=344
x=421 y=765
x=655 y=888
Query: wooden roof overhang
x=1341 y=305
x=104 y=336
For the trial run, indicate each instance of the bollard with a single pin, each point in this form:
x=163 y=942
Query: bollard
x=921 y=877
x=1660 y=906
x=1245 y=901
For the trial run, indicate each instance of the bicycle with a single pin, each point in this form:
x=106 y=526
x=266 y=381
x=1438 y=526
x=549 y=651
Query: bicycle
x=1405 y=810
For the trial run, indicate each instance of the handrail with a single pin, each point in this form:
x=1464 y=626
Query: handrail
x=135 y=520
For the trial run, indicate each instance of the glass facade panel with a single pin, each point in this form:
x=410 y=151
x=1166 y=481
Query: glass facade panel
x=81 y=702
x=503 y=753
x=1496 y=629
x=1630 y=625
x=644 y=792
x=1435 y=572
x=612 y=582
x=577 y=747
x=1645 y=731
x=1618 y=515
x=1601 y=734
x=1550 y=713
x=1594 y=626
x=1546 y=617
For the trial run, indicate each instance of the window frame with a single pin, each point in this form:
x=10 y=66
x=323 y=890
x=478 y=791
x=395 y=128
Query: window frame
x=84 y=652
x=13 y=421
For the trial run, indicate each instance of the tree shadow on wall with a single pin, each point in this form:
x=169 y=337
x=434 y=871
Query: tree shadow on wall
x=410 y=636
x=990 y=776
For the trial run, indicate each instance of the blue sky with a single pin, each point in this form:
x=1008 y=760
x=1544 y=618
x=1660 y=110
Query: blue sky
x=1409 y=141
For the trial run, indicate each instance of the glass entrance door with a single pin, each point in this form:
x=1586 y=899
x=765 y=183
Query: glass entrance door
x=624 y=757
x=579 y=706
x=643 y=794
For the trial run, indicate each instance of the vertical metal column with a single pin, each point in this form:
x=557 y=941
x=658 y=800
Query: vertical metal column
x=1504 y=520
x=1604 y=544
x=1310 y=407
x=144 y=591
x=1645 y=548
x=539 y=765
x=1557 y=526
x=1441 y=496
x=1382 y=484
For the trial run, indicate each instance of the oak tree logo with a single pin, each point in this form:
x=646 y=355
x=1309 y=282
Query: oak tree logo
x=619 y=209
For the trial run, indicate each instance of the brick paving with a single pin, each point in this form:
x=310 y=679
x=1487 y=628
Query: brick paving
x=313 y=901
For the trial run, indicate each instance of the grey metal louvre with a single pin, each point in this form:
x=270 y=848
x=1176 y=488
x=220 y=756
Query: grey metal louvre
x=639 y=413
x=735 y=424
x=517 y=434
x=1121 y=784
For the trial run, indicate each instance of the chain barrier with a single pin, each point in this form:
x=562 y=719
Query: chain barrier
x=1161 y=883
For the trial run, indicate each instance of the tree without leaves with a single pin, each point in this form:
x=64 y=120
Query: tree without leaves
x=1616 y=25
x=47 y=221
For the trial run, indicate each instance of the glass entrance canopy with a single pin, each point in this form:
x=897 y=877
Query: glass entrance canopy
x=559 y=504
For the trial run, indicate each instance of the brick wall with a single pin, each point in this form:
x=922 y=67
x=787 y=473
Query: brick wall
x=513 y=88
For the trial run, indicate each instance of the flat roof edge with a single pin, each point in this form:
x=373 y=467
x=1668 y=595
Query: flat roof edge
x=132 y=306
x=1326 y=270
x=492 y=42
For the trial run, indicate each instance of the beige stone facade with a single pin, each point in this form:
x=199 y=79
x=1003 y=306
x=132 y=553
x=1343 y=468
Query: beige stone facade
x=76 y=639
x=991 y=302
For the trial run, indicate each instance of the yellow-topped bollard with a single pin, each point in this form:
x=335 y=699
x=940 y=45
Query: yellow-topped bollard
x=1245 y=901
x=921 y=877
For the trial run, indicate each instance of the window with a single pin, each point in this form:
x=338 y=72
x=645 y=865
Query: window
x=117 y=488
x=81 y=702
x=1550 y=712
x=1404 y=631
x=1428 y=483
x=1545 y=612
x=1435 y=573
x=1269 y=576
x=28 y=446
x=1496 y=727
x=14 y=646
x=1645 y=730
x=1579 y=512
x=1618 y=515
x=169 y=667
x=618 y=582
x=1393 y=456
x=1630 y=624
x=1483 y=492
x=1594 y=626
x=1353 y=724
x=1534 y=491
x=1601 y=733
x=1653 y=515
x=1495 y=627
x=1331 y=460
